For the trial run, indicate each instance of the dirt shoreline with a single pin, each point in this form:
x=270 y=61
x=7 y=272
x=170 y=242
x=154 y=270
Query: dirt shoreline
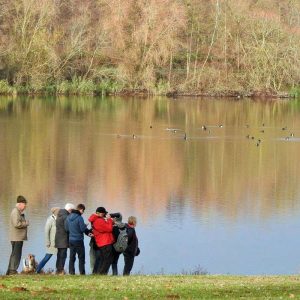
x=174 y=94
x=227 y=94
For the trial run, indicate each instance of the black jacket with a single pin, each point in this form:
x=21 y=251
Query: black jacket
x=133 y=242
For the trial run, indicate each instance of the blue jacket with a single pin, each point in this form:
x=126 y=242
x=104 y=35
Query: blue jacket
x=76 y=227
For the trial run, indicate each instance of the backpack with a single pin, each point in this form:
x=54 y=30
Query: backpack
x=122 y=241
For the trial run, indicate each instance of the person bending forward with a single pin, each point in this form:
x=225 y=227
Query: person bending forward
x=102 y=225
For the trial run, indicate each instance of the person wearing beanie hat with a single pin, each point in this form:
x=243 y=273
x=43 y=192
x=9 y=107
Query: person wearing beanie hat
x=18 y=234
x=62 y=238
x=50 y=231
x=117 y=229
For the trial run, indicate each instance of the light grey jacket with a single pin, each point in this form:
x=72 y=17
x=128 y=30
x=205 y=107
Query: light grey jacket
x=50 y=231
x=18 y=226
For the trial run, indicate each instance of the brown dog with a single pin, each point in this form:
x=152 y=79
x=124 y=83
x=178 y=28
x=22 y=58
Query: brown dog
x=29 y=264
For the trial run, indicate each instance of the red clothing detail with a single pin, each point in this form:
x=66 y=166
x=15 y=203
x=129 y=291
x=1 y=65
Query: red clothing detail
x=102 y=230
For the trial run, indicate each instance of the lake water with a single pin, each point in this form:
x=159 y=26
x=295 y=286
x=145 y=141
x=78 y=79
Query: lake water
x=216 y=201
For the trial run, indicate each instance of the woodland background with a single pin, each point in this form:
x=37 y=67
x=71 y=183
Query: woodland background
x=220 y=47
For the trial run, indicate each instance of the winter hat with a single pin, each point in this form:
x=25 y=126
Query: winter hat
x=55 y=210
x=69 y=206
x=118 y=217
x=21 y=199
x=101 y=210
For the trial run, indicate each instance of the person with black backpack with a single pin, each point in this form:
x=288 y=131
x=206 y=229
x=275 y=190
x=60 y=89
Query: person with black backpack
x=132 y=249
x=121 y=240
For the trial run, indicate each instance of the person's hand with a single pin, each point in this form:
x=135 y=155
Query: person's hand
x=48 y=245
x=27 y=223
x=108 y=216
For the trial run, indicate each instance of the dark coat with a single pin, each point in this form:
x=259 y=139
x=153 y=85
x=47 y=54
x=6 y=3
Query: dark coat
x=75 y=226
x=133 y=242
x=61 y=236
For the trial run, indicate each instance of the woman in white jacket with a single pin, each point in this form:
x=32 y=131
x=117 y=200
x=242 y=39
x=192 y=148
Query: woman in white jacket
x=50 y=230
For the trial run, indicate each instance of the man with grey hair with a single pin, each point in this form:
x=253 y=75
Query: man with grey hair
x=62 y=238
x=18 y=234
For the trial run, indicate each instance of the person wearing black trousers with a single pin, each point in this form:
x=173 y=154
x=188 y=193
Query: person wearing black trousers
x=132 y=250
x=18 y=234
x=76 y=227
x=62 y=238
x=117 y=228
x=102 y=225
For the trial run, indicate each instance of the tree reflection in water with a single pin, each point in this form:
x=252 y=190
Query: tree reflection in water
x=81 y=149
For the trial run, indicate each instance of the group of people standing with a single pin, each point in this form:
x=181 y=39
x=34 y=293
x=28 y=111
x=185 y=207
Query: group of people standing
x=65 y=228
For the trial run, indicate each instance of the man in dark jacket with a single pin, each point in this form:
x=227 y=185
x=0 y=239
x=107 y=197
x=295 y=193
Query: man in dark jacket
x=76 y=227
x=133 y=246
x=62 y=237
x=117 y=228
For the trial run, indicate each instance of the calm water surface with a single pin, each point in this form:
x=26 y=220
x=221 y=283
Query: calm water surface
x=215 y=201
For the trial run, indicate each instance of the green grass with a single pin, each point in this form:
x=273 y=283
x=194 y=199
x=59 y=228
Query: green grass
x=149 y=287
x=107 y=86
x=5 y=88
x=76 y=86
x=295 y=92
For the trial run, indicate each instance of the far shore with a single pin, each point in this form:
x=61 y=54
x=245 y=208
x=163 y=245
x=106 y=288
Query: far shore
x=256 y=95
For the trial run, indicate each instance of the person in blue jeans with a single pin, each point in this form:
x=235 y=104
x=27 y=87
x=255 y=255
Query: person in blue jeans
x=76 y=227
x=50 y=230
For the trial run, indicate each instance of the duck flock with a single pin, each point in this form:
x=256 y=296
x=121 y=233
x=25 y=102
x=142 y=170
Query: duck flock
x=209 y=130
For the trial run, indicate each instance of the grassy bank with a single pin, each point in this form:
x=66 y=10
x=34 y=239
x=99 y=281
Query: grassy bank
x=149 y=287
x=76 y=86
x=82 y=87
